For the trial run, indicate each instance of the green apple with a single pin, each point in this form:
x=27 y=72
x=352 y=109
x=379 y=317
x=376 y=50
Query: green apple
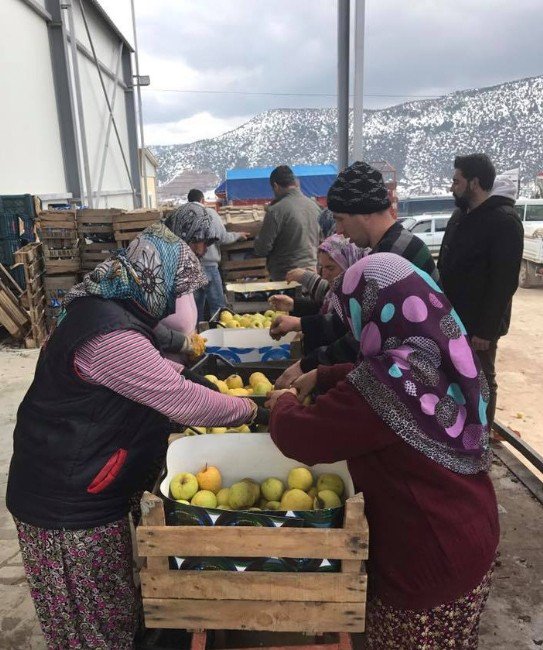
x=204 y=499
x=300 y=478
x=255 y=488
x=327 y=499
x=222 y=496
x=296 y=499
x=273 y=505
x=330 y=482
x=187 y=503
x=183 y=486
x=241 y=496
x=272 y=489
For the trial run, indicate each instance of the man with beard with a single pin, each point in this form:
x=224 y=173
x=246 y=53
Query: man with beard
x=479 y=261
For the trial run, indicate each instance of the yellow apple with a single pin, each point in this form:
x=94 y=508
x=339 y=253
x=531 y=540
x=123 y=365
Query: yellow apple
x=221 y=385
x=327 y=499
x=223 y=496
x=209 y=478
x=272 y=489
x=234 y=381
x=296 y=499
x=211 y=378
x=241 y=496
x=218 y=430
x=273 y=505
x=330 y=482
x=300 y=478
x=204 y=499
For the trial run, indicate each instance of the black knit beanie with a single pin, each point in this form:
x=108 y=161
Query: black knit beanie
x=358 y=189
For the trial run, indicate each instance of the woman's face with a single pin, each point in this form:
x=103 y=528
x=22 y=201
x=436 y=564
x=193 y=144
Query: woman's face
x=329 y=269
x=199 y=248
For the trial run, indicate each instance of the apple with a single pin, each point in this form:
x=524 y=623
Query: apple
x=209 y=478
x=300 y=478
x=241 y=496
x=331 y=482
x=272 y=489
x=296 y=499
x=204 y=499
x=327 y=499
x=222 y=496
x=183 y=486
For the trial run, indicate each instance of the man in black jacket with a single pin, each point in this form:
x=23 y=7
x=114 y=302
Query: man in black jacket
x=479 y=261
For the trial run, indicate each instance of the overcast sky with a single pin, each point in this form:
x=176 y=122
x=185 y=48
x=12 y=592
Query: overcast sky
x=253 y=55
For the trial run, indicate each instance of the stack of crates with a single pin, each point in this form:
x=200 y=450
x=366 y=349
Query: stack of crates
x=16 y=228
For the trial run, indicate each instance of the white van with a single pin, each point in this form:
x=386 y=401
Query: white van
x=428 y=227
x=530 y=212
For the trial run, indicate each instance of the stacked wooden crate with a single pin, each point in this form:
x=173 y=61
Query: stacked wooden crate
x=128 y=225
x=96 y=236
x=30 y=258
x=12 y=315
x=57 y=230
x=238 y=261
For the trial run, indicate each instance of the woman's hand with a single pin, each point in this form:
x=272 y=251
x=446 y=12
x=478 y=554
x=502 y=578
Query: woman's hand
x=283 y=325
x=289 y=375
x=279 y=302
x=275 y=395
x=295 y=275
x=305 y=384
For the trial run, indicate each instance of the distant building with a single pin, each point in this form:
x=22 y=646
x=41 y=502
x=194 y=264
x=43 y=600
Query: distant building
x=148 y=178
x=58 y=141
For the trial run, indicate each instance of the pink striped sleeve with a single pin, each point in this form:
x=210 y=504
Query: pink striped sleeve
x=126 y=362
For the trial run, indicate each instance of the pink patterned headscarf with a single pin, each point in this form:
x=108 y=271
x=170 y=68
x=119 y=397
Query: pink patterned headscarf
x=345 y=254
x=416 y=367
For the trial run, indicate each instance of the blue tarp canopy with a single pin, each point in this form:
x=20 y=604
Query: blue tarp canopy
x=254 y=182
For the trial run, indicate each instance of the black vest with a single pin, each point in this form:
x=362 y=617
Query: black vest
x=81 y=450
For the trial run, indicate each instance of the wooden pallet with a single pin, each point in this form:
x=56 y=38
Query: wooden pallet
x=57 y=230
x=279 y=602
x=12 y=315
x=127 y=226
x=250 y=267
x=34 y=300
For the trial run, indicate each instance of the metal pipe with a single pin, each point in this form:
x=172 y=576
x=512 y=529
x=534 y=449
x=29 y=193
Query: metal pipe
x=67 y=5
x=104 y=90
x=343 y=32
x=109 y=124
x=358 y=99
x=143 y=164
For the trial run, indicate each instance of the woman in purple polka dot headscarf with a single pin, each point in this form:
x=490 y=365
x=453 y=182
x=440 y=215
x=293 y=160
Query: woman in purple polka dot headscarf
x=416 y=367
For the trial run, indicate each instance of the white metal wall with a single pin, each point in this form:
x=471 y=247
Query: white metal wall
x=30 y=146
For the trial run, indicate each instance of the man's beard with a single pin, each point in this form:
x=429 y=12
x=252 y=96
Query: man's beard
x=461 y=202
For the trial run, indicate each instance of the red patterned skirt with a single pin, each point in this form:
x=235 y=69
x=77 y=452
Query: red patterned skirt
x=453 y=625
x=82 y=585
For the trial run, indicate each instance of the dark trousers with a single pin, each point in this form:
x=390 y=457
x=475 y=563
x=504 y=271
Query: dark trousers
x=488 y=364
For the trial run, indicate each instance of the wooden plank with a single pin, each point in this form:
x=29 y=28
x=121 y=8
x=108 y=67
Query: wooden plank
x=255 y=262
x=218 y=541
x=254 y=274
x=152 y=514
x=62 y=266
x=97 y=228
x=137 y=217
x=13 y=309
x=133 y=225
x=55 y=224
x=354 y=520
x=238 y=245
x=101 y=246
x=7 y=321
x=287 y=616
x=96 y=256
x=8 y=280
x=253 y=585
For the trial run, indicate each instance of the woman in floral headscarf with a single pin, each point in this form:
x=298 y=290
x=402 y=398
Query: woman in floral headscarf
x=335 y=255
x=90 y=427
x=410 y=419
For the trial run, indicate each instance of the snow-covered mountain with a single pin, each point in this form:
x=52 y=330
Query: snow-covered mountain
x=420 y=139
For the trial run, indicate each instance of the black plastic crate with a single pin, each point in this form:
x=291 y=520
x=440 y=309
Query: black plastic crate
x=13 y=208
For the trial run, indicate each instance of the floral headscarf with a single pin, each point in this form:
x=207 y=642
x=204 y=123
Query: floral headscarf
x=193 y=223
x=345 y=254
x=153 y=271
x=416 y=368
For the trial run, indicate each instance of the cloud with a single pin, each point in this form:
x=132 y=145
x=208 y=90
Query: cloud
x=196 y=127
x=232 y=47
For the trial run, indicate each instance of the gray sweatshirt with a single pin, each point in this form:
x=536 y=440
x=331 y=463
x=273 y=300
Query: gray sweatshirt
x=213 y=253
x=290 y=234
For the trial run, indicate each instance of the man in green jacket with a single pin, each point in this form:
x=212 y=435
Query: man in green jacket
x=290 y=232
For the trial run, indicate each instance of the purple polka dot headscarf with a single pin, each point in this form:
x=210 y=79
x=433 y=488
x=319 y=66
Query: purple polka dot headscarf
x=416 y=367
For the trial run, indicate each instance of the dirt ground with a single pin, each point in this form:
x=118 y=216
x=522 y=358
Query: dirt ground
x=514 y=616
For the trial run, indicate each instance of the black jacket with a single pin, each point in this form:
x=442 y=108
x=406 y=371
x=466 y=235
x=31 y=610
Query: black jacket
x=479 y=265
x=81 y=450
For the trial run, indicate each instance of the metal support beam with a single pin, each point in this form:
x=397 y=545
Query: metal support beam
x=64 y=99
x=103 y=67
x=358 y=99
x=109 y=125
x=132 y=128
x=343 y=32
x=104 y=90
x=141 y=157
x=67 y=6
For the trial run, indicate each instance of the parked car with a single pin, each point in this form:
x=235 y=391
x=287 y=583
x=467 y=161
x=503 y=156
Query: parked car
x=428 y=227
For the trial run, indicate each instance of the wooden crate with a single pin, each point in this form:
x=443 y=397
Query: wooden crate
x=57 y=230
x=279 y=601
x=234 y=268
x=96 y=236
x=12 y=314
x=127 y=226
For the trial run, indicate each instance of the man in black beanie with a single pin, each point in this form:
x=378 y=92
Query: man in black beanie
x=290 y=233
x=361 y=206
